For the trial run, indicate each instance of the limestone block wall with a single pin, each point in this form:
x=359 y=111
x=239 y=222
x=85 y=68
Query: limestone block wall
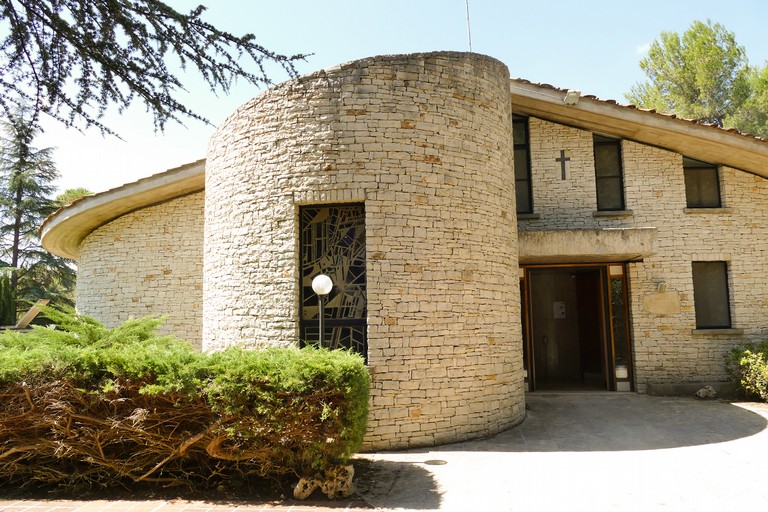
x=424 y=141
x=147 y=262
x=667 y=348
x=562 y=204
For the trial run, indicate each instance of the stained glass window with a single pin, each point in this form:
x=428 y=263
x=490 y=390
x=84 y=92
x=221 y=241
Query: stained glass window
x=333 y=243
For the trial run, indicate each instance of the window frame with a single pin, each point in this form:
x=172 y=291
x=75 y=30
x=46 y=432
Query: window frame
x=693 y=167
x=703 y=300
x=525 y=145
x=618 y=177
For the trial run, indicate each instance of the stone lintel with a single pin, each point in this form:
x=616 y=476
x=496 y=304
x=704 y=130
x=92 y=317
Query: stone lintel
x=586 y=245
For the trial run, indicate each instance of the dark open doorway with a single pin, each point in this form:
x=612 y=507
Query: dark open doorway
x=567 y=342
x=575 y=327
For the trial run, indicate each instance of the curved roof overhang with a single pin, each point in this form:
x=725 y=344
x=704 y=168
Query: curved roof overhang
x=63 y=232
x=704 y=142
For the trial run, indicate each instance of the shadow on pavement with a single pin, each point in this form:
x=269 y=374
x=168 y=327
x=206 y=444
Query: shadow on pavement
x=620 y=422
x=398 y=485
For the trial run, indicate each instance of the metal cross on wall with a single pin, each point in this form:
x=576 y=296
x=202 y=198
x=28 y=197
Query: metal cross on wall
x=562 y=161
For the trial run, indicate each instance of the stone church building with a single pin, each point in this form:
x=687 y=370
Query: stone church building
x=486 y=236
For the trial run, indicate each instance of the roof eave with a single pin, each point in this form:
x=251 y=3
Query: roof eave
x=63 y=232
x=703 y=142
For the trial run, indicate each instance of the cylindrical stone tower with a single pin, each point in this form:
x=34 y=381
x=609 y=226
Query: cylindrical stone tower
x=423 y=143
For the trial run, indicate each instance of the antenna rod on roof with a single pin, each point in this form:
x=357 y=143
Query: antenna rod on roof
x=469 y=32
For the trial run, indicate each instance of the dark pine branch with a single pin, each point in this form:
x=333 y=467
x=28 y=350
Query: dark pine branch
x=72 y=59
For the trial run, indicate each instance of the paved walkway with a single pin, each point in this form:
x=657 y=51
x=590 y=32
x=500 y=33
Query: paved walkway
x=575 y=452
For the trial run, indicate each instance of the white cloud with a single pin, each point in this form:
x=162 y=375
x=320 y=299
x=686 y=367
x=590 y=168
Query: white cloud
x=643 y=49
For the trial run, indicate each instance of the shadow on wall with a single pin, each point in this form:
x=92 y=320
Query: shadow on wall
x=620 y=422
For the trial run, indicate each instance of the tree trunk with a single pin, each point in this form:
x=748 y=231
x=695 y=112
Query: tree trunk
x=15 y=249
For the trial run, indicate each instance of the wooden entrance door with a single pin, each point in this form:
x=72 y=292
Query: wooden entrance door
x=570 y=327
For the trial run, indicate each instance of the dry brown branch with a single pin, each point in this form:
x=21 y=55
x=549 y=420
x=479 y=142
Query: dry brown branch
x=20 y=449
x=182 y=449
x=28 y=395
x=214 y=449
x=90 y=439
x=61 y=435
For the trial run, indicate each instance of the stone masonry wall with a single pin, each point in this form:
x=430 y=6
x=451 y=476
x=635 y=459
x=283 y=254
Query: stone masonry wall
x=562 y=203
x=424 y=141
x=147 y=262
x=667 y=348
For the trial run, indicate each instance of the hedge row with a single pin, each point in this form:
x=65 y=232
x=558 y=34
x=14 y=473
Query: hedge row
x=83 y=405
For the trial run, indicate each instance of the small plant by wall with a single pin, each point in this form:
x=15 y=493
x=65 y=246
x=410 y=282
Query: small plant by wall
x=86 y=406
x=748 y=366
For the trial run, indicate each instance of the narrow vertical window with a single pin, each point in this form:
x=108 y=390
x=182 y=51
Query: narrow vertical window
x=333 y=243
x=702 y=184
x=710 y=294
x=608 y=173
x=619 y=321
x=520 y=140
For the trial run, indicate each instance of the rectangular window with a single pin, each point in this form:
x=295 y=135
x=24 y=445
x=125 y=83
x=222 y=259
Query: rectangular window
x=710 y=294
x=522 y=164
x=332 y=239
x=702 y=184
x=608 y=173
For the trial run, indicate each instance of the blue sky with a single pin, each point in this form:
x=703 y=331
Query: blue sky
x=594 y=46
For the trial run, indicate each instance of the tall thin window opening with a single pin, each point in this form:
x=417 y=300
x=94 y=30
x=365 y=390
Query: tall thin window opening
x=523 y=189
x=609 y=177
x=333 y=243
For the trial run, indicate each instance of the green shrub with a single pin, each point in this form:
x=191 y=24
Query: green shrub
x=7 y=299
x=318 y=397
x=748 y=366
x=87 y=405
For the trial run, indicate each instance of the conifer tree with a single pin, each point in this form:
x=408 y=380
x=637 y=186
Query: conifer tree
x=27 y=175
x=71 y=59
